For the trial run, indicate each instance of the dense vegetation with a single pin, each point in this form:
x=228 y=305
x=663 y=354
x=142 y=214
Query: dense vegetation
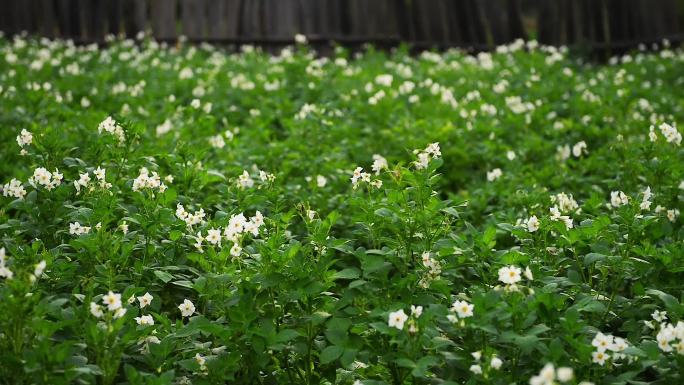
x=177 y=215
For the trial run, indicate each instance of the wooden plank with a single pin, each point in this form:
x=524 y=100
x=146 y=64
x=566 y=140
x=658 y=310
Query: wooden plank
x=251 y=25
x=163 y=19
x=68 y=19
x=135 y=17
x=193 y=18
x=114 y=16
x=281 y=19
x=92 y=19
x=47 y=18
x=223 y=19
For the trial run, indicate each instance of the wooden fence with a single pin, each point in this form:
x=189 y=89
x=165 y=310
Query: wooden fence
x=479 y=24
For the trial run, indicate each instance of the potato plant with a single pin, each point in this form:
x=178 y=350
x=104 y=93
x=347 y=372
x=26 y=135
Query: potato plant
x=179 y=214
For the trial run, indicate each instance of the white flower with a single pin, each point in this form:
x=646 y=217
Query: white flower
x=217 y=141
x=476 y=369
x=532 y=224
x=300 y=39
x=14 y=189
x=214 y=236
x=235 y=250
x=397 y=319
x=599 y=357
x=618 y=198
x=579 y=148
x=39 y=268
x=509 y=275
x=672 y=214
x=670 y=133
x=321 y=181
x=463 y=309
x=245 y=180
x=496 y=363
x=144 y=320
x=602 y=341
x=99 y=173
x=112 y=300
x=110 y=126
x=416 y=311
x=75 y=228
x=423 y=161
x=187 y=308
x=145 y=300
x=434 y=150
x=120 y=312
x=494 y=174
x=476 y=355
x=564 y=374
x=528 y=274
x=379 y=163
x=96 y=310
x=659 y=316
x=25 y=138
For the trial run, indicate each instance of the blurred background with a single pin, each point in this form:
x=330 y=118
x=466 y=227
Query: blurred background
x=598 y=25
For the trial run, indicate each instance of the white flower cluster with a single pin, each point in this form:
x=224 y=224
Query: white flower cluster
x=563 y=204
x=398 y=318
x=494 y=174
x=84 y=180
x=670 y=337
x=144 y=301
x=237 y=226
x=190 y=219
x=14 y=189
x=476 y=368
x=618 y=198
x=672 y=214
x=511 y=275
x=668 y=131
x=358 y=176
x=76 y=228
x=434 y=269
x=518 y=106
x=605 y=343
x=430 y=152
x=113 y=303
x=549 y=374
x=245 y=180
x=50 y=180
x=219 y=141
x=306 y=110
x=110 y=126
x=646 y=199
x=145 y=180
x=5 y=272
x=578 y=149
x=25 y=138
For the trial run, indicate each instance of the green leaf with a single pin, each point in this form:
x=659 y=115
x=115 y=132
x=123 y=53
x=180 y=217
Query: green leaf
x=348 y=273
x=331 y=353
x=163 y=276
x=287 y=335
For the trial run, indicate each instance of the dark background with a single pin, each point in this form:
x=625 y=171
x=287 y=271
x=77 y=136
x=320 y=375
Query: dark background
x=604 y=25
